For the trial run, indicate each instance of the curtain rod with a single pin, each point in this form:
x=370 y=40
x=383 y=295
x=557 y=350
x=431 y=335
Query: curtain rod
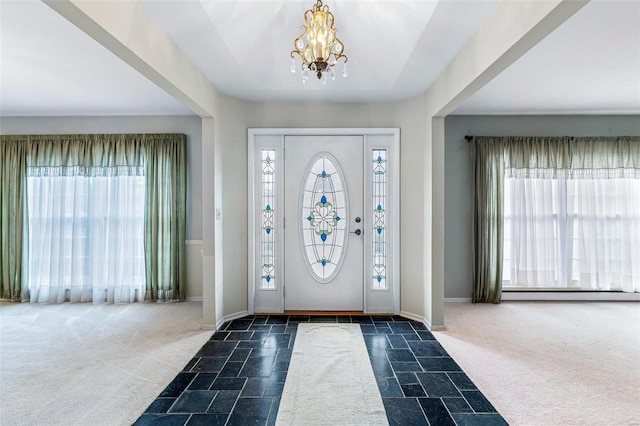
x=469 y=138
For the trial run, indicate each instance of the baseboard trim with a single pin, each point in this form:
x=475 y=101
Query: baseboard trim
x=577 y=296
x=421 y=320
x=414 y=317
x=231 y=317
x=457 y=300
x=268 y=311
x=194 y=299
x=378 y=311
x=223 y=320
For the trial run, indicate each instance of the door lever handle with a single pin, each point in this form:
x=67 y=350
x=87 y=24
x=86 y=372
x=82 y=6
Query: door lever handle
x=357 y=232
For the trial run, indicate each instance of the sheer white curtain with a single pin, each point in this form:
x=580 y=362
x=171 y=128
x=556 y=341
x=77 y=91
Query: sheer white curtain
x=605 y=233
x=533 y=253
x=572 y=233
x=86 y=238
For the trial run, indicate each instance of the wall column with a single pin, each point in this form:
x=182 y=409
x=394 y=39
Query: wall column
x=436 y=241
x=208 y=225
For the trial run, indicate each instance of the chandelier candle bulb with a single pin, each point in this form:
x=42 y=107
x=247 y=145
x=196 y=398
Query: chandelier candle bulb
x=319 y=47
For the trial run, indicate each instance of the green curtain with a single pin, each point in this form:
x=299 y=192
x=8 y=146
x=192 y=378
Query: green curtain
x=160 y=157
x=573 y=157
x=13 y=236
x=165 y=216
x=85 y=155
x=488 y=219
x=533 y=157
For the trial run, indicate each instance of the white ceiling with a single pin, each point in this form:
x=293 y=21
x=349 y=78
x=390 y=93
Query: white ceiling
x=50 y=67
x=244 y=46
x=591 y=64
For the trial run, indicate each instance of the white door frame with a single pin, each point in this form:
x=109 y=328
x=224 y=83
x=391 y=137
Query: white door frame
x=272 y=300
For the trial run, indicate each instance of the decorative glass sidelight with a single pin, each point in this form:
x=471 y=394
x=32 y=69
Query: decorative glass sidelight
x=267 y=235
x=324 y=213
x=379 y=198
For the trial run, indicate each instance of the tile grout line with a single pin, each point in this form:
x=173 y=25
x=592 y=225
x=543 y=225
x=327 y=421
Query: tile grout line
x=283 y=326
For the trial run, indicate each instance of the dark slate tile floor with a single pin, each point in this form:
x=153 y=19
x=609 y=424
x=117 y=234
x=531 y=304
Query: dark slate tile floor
x=237 y=377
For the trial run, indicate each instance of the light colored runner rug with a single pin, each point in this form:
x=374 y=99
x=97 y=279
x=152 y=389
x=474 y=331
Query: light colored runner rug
x=330 y=380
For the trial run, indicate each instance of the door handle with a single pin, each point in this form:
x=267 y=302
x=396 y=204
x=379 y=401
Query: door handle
x=357 y=232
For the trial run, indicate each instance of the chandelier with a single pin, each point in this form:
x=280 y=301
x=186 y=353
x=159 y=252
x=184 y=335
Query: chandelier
x=318 y=47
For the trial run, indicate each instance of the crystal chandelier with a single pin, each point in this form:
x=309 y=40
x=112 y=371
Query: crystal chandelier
x=318 y=47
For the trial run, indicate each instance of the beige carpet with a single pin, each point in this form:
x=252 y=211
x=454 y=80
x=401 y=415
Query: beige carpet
x=551 y=363
x=330 y=380
x=89 y=364
x=538 y=363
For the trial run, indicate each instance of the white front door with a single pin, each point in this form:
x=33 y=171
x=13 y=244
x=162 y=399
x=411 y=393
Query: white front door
x=324 y=217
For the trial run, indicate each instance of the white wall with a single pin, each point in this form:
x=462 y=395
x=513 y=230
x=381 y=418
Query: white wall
x=231 y=138
x=411 y=118
x=459 y=174
x=231 y=125
x=237 y=116
x=231 y=133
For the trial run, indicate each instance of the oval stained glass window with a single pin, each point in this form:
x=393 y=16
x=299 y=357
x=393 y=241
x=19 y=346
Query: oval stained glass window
x=324 y=213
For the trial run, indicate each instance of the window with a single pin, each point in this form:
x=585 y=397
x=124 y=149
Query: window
x=323 y=208
x=379 y=203
x=86 y=238
x=581 y=234
x=268 y=235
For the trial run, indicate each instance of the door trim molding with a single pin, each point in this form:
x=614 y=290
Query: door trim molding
x=275 y=136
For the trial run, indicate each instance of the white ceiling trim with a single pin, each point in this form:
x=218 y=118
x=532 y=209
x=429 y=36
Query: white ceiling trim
x=130 y=34
x=508 y=33
x=589 y=65
x=49 y=67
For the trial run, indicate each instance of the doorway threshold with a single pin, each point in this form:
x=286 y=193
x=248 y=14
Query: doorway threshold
x=332 y=313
